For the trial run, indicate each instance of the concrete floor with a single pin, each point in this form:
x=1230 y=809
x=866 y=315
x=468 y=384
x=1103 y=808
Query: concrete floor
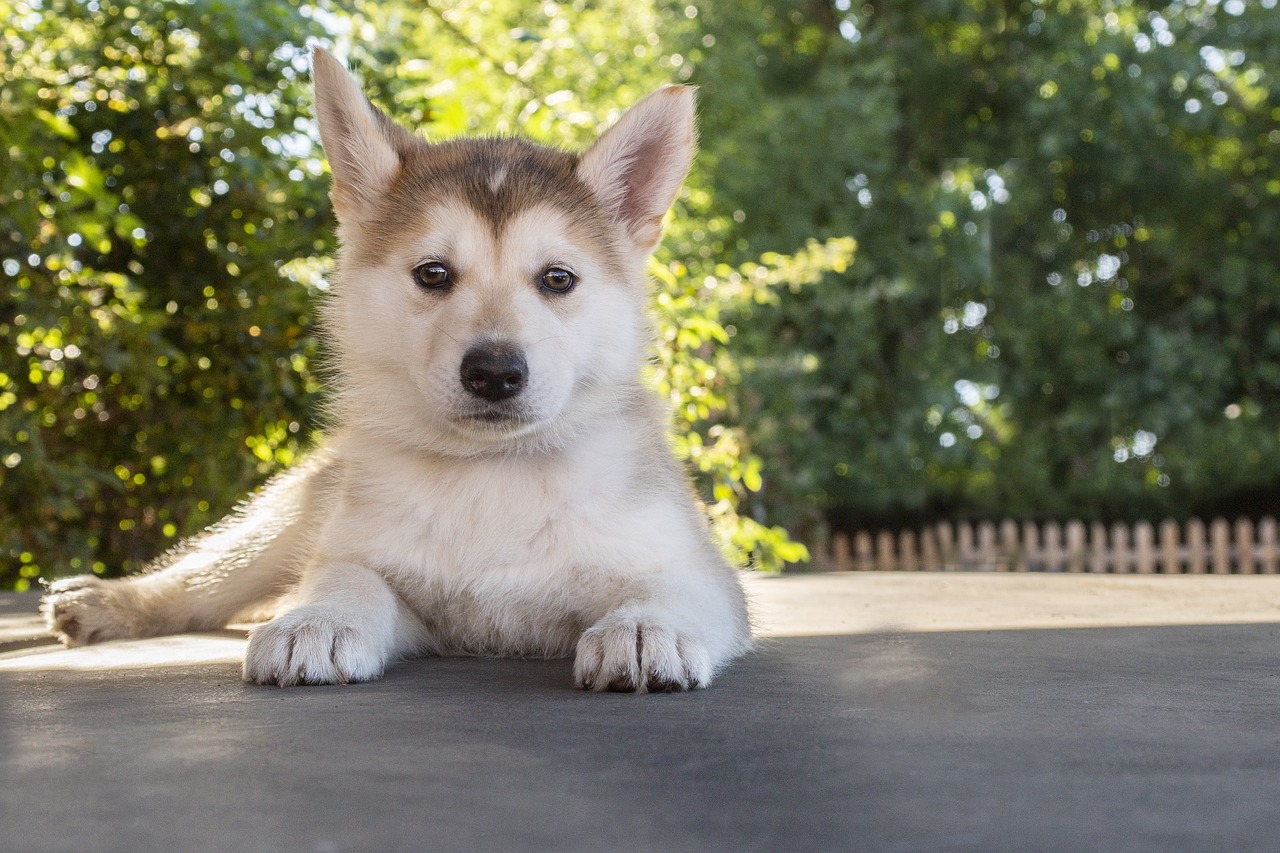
x=882 y=712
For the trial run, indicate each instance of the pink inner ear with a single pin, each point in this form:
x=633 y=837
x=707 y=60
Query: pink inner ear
x=641 y=179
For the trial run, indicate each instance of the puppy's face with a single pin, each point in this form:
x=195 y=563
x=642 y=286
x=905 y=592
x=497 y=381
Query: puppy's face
x=483 y=309
x=490 y=292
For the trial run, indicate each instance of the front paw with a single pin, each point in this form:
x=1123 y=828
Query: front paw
x=86 y=609
x=635 y=655
x=312 y=645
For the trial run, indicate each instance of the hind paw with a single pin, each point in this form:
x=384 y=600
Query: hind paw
x=86 y=609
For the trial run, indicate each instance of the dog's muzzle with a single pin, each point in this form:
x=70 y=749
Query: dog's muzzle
x=494 y=372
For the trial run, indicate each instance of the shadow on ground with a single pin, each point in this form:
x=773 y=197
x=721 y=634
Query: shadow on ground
x=1127 y=739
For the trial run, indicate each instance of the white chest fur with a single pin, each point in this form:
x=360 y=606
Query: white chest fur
x=508 y=554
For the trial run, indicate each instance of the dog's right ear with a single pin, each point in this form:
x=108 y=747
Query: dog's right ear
x=359 y=139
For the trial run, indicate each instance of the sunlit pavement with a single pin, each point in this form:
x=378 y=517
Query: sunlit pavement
x=901 y=712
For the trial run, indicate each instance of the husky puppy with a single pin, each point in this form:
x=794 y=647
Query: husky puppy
x=498 y=480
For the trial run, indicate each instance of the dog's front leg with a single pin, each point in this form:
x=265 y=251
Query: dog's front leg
x=345 y=629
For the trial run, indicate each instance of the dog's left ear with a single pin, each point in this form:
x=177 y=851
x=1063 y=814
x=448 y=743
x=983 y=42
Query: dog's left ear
x=636 y=167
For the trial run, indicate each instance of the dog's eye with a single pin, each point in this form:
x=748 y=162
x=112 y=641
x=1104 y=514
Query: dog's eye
x=559 y=280
x=432 y=275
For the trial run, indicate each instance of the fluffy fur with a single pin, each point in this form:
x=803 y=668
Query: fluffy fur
x=532 y=508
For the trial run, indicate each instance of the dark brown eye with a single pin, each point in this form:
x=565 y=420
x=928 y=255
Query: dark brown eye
x=432 y=275
x=559 y=280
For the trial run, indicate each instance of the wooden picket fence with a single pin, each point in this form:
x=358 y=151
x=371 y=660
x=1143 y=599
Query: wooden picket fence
x=1220 y=547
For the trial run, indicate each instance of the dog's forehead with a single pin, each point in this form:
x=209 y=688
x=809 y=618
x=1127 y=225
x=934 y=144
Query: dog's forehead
x=496 y=178
x=453 y=230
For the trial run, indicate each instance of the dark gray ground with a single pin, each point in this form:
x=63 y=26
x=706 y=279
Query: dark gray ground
x=1104 y=739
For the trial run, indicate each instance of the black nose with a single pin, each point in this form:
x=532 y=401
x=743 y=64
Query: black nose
x=494 y=371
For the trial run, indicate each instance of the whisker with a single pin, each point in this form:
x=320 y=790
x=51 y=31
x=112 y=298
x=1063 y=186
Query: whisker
x=436 y=326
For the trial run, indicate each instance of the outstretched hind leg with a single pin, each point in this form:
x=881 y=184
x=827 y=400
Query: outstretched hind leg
x=248 y=559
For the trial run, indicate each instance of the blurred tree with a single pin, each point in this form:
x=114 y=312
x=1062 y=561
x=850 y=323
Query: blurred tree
x=164 y=231
x=1065 y=299
x=161 y=221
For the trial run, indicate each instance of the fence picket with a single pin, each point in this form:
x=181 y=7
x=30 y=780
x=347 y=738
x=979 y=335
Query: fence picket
x=1170 y=551
x=1144 y=552
x=1012 y=557
x=964 y=545
x=886 y=559
x=863 y=553
x=1099 y=558
x=1121 y=551
x=1033 y=559
x=840 y=553
x=1268 y=550
x=820 y=550
x=930 y=558
x=1054 y=558
x=1220 y=545
x=1196 y=562
x=1245 y=564
x=1075 y=546
x=987 y=556
x=946 y=545
x=908 y=560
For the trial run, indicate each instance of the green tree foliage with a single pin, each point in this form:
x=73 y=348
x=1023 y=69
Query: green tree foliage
x=164 y=232
x=160 y=214
x=1065 y=297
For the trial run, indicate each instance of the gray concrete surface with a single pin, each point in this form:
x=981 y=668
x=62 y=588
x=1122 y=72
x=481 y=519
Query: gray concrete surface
x=881 y=713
